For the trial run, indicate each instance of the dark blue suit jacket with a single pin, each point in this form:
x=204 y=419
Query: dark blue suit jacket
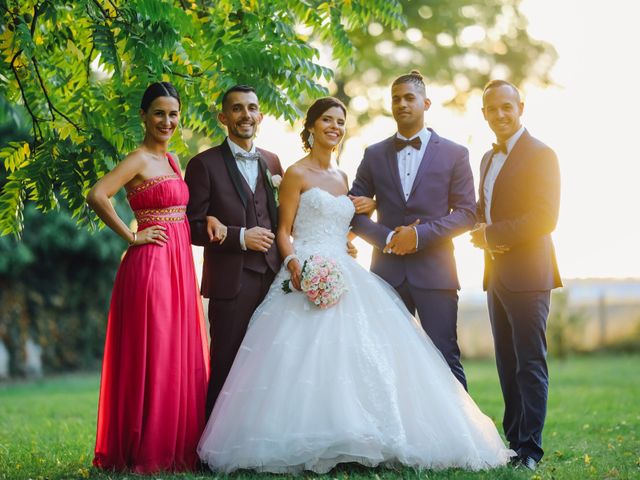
x=442 y=198
x=524 y=211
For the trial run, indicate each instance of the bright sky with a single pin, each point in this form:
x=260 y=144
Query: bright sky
x=589 y=118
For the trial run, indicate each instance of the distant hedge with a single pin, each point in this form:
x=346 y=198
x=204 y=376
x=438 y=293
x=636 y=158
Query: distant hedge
x=55 y=287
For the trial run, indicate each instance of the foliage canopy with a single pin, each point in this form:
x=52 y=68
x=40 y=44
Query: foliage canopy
x=76 y=69
x=80 y=67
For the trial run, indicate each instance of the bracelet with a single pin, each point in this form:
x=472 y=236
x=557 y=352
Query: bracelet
x=135 y=237
x=288 y=258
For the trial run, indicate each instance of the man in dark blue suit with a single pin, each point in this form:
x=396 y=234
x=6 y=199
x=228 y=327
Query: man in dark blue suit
x=517 y=210
x=425 y=196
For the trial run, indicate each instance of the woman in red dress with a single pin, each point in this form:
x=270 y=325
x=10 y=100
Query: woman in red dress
x=155 y=370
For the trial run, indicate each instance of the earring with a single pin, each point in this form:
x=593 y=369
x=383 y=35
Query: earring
x=310 y=139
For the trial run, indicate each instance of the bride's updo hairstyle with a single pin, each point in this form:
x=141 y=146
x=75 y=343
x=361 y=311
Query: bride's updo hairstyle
x=315 y=111
x=158 y=89
x=415 y=78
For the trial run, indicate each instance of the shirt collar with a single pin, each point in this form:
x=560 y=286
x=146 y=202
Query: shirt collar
x=235 y=148
x=424 y=135
x=514 y=138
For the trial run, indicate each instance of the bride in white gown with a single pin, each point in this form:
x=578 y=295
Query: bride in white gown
x=357 y=382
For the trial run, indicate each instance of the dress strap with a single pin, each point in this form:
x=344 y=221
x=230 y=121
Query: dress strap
x=174 y=165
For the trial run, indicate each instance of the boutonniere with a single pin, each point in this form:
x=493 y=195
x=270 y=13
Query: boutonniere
x=274 y=183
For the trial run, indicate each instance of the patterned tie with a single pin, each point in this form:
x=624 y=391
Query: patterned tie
x=499 y=147
x=247 y=156
x=415 y=142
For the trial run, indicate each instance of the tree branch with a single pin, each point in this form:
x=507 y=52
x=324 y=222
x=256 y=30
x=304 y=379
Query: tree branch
x=104 y=12
x=114 y=7
x=93 y=47
x=37 y=131
x=36 y=12
x=52 y=107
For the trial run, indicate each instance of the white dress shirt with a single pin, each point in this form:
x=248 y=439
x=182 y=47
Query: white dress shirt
x=497 y=162
x=409 y=160
x=249 y=170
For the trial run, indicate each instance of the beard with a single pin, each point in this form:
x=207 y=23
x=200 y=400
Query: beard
x=243 y=133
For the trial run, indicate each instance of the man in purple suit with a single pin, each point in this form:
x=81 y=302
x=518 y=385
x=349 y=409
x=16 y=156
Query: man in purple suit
x=517 y=211
x=425 y=196
x=232 y=182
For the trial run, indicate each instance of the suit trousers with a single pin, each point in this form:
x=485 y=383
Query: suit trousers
x=438 y=314
x=228 y=319
x=518 y=322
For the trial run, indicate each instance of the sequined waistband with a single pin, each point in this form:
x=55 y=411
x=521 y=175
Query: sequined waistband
x=161 y=215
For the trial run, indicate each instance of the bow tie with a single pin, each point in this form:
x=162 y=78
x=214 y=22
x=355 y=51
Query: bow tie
x=499 y=147
x=415 y=142
x=247 y=156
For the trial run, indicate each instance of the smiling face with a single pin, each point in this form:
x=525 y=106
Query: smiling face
x=502 y=109
x=329 y=128
x=161 y=118
x=408 y=104
x=241 y=115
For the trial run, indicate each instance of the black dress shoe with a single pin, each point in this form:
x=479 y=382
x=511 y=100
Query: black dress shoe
x=529 y=463
x=514 y=461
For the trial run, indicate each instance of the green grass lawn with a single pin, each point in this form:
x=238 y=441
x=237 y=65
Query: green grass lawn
x=47 y=428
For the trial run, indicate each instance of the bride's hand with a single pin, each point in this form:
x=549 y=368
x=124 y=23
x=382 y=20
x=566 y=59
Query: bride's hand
x=363 y=205
x=352 y=250
x=296 y=272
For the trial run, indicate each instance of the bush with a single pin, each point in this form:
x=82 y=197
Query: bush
x=55 y=288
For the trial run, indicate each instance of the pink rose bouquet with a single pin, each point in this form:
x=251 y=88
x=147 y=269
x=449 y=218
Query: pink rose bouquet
x=321 y=281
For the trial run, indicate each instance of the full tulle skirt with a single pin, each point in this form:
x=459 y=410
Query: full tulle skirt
x=357 y=382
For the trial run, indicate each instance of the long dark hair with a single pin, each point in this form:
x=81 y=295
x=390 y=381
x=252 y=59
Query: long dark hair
x=315 y=111
x=158 y=89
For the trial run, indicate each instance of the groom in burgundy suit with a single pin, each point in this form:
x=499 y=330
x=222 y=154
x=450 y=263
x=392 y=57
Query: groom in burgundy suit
x=232 y=183
x=425 y=196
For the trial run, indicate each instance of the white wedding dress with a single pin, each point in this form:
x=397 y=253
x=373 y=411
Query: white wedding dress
x=357 y=382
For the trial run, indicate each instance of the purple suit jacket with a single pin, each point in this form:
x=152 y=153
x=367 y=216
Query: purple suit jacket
x=215 y=188
x=442 y=198
x=524 y=211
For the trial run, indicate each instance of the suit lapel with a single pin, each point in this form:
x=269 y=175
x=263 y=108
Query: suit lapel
x=271 y=200
x=430 y=152
x=516 y=154
x=484 y=168
x=234 y=172
x=392 y=162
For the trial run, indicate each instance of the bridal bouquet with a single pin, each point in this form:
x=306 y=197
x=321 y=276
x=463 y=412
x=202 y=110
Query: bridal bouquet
x=321 y=281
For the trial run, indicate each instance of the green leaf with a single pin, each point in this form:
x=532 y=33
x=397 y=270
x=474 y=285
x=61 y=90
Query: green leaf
x=15 y=155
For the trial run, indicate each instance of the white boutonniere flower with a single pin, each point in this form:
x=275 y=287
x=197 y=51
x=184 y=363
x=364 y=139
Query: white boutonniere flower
x=274 y=183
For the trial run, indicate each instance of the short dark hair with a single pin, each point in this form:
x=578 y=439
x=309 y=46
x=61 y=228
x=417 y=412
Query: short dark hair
x=236 y=88
x=315 y=111
x=155 y=90
x=414 y=77
x=500 y=83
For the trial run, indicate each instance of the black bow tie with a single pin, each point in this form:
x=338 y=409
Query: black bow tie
x=499 y=147
x=414 y=142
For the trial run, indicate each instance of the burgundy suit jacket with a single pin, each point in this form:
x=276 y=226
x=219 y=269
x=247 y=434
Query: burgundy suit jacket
x=216 y=187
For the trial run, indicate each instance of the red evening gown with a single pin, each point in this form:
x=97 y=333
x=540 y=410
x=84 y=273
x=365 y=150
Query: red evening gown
x=155 y=370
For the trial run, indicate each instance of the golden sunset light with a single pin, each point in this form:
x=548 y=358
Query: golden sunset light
x=588 y=116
